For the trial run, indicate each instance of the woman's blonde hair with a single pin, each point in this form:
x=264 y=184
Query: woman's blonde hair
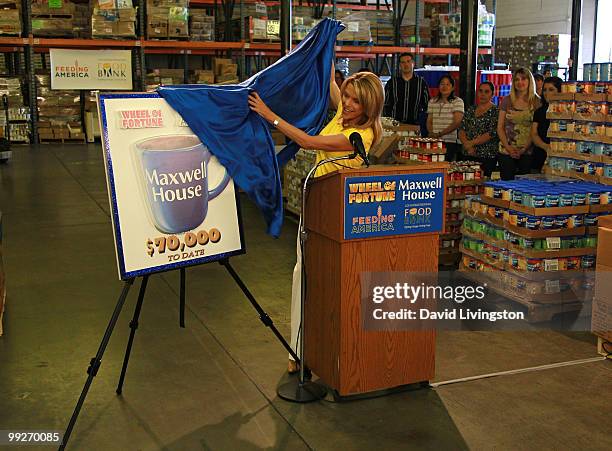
x=532 y=98
x=371 y=96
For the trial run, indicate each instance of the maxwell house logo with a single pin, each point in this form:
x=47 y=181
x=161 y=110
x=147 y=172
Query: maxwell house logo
x=417 y=216
x=112 y=71
x=378 y=223
x=73 y=71
x=370 y=192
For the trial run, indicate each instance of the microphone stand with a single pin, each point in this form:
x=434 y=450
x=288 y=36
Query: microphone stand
x=302 y=390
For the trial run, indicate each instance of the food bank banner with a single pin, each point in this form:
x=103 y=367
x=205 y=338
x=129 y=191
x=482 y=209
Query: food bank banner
x=393 y=205
x=91 y=69
x=172 y=203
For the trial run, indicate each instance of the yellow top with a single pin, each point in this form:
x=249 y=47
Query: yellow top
x=335 y=127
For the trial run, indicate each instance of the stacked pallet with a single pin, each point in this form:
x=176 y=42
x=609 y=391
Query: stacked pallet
x=53 y=19
x=59 y=113
x=167 y=19
x=10 y=17
x=18 y=113
x=113 y=19
x=201 y=26
x=580 y=132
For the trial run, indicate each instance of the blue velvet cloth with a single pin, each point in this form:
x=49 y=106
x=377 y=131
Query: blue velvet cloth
x=296 y=88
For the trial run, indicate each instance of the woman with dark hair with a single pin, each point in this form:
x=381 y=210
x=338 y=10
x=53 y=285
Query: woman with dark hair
x=514 y=125
x=478 y=131
x=539 y=129
x=444 y=115
x=339 y=77
x=539 y=81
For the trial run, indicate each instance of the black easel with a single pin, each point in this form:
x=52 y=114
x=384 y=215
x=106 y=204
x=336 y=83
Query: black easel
x=94 y=364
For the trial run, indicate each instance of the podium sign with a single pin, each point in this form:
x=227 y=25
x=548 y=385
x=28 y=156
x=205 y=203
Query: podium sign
x=399 y=204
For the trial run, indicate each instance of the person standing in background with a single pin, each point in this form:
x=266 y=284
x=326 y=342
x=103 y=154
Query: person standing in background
x=444 y=115
x=514 y=125
x=478 y=131
x=339 y=77
x=406 y=96
x=539 y=128
x=539 y=82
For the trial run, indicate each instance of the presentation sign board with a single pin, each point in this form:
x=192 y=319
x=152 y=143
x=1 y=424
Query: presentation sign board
x=172 y=203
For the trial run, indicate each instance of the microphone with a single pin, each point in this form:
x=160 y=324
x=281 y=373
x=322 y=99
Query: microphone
x=357 y=143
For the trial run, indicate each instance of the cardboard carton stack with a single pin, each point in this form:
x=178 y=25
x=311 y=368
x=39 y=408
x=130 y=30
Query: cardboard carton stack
x=52 y=19
x=203 y=77
x=82 y=21
x=601 y=319
x=255 y=24
x=164 y=77
x=523 y=51
x=59 y=112
x=226 y=72
x=201 y=26
x=113 y=19
x=357 y=26
x=10 y=17
x=19 y=115
x=167 y=19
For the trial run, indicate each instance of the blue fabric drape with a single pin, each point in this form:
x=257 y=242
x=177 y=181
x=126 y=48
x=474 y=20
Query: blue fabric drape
x=296 y=87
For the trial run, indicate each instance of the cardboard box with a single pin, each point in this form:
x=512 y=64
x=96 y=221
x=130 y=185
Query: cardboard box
x=218 y=63
x=387 y=145
x=601 y=320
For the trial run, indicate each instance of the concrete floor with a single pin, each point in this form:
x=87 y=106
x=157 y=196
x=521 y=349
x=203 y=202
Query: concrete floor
x=212 y=385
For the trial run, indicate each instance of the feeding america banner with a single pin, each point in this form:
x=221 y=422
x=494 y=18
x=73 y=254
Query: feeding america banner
x=91 y=69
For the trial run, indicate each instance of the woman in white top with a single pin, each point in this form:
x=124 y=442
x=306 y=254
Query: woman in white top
x=444 y=115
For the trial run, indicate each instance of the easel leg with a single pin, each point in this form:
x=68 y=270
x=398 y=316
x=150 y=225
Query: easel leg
x=133 y=327
x=263 y=316
x=94 y=364
x=182 y=299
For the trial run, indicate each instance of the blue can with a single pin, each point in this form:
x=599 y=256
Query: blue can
x=552 y=200
x=497 y=191
x=538 y=199
x=517 y=196
x=579 y=198
x=575 y=221
x=590 y=219
x=566 y=198
x=547 y=222
x=561 y=221
x=521 y=220
x=587 y=261
x=593 y=197
x=533 y=222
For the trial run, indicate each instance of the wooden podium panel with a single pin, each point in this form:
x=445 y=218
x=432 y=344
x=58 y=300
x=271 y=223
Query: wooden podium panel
x=337 y=348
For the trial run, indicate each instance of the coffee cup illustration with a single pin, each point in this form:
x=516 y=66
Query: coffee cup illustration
x=174 y=177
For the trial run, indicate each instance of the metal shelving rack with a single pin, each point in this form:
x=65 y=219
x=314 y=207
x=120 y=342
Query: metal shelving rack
x=379 y=57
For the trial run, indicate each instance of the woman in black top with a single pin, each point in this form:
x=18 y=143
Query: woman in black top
x=539 y=129
x=478 y=131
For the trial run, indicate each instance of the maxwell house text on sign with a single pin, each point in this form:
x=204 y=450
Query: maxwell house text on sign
x=393 y=205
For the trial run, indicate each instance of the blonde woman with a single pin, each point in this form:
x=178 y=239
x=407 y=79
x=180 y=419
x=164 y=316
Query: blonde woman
x=514 y=125
x=360 y=101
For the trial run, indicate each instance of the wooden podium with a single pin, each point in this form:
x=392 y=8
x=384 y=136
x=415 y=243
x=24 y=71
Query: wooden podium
x=346 y=357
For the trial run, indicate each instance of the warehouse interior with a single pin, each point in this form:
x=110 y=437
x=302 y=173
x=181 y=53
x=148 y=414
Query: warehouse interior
x=213 y=384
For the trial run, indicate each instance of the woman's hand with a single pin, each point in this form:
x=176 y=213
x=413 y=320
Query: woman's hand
x=258 y=105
